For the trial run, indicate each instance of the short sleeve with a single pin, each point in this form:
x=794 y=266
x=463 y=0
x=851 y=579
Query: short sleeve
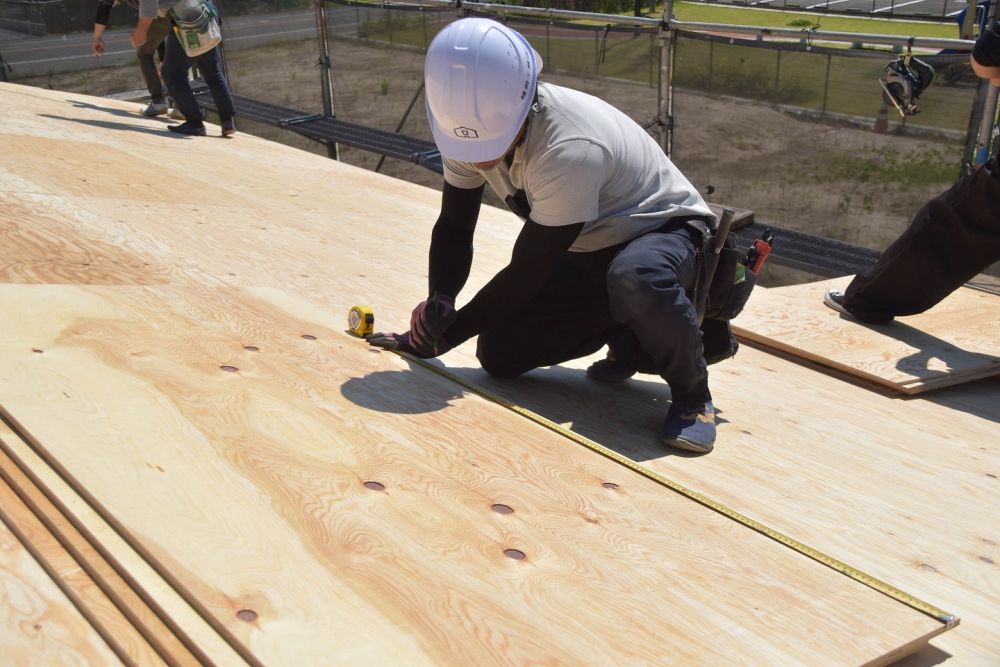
x=564 y=183
x=462 y=174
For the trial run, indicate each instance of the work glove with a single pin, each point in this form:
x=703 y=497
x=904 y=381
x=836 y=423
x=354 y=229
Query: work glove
x=399 y=342
x=428 y=322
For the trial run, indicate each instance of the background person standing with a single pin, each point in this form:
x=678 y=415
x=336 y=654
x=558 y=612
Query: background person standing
x=144 y=53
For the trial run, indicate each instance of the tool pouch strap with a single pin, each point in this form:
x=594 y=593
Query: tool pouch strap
x=731 y=286
x=732 y=283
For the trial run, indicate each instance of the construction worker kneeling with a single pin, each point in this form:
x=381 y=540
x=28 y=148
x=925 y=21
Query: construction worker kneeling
x=607 y=254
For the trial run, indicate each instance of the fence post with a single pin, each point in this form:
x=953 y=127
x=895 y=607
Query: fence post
x=664 y=96
x=984 y=118
x=326 y=77
x=826 y=81
x=548 y=45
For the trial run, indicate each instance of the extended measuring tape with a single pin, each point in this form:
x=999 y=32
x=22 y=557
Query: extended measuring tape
x=360 y=320
x=949 y=620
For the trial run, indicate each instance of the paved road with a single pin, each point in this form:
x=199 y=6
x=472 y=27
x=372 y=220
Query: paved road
x=29 y=56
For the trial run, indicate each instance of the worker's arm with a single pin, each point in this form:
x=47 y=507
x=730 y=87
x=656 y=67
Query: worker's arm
x=100 y=23
x=147 y=12
x=451 y=241
x=536 y=251
x=141 y=31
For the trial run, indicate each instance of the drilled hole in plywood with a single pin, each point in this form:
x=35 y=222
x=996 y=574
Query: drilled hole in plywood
x=514 y=553
x=375 y=486
x=248 y=615
x=251 y=348
x=609 y=485
x=37 y=351
x=502 y=509
x=229 y=369
x=309 y=336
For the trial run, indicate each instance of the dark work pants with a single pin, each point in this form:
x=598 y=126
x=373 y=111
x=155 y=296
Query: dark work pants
x=144 y=54
x=642 y=285
x=175 y=75
x=952 y=238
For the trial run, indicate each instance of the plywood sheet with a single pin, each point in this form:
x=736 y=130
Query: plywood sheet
x=902 y=488
x=39 y=626
x=231 y=433
x=86 y=594
x=956 y=341
x=148 y=602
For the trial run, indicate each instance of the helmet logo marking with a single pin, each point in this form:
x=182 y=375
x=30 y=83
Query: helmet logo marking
x=466 y=133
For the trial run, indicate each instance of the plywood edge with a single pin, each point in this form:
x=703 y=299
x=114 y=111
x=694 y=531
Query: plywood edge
x=909 y=648
x=156 y=635
x=98 y=611
x=199 y=639
x=820 y=361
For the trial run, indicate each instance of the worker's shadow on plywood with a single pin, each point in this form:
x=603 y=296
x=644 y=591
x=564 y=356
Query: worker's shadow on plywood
x=927 y=347
x=399 y=392
x=624 y=416
x=928 y=656
x=111 y=125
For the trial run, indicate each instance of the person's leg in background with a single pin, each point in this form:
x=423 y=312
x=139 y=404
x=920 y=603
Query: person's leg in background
x=175 y=75
x=211 y=69
x=952 y=238
x=147 y=65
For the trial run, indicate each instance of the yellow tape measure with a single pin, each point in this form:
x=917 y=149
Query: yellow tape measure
x=360 y=320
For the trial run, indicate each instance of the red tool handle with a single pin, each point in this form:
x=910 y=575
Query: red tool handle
x=763 y=250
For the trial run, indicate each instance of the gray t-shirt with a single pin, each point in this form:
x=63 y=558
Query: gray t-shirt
x=582 y=160
x=154 y=8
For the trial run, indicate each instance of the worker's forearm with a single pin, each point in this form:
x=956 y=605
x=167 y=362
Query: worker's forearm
x=99 y=30
x=450 y=262
x=141 y=31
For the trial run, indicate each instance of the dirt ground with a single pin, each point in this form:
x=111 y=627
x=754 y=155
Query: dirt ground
x=841 y=182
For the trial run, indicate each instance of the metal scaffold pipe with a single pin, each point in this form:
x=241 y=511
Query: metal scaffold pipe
x=326 y=73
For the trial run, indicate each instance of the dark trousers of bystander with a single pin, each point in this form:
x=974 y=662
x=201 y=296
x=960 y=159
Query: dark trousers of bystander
x=158 y=32
x=588 y=298
x=175 y=75
x=952 y=238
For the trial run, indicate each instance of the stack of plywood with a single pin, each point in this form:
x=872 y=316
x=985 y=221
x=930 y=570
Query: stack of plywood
x=242 y=481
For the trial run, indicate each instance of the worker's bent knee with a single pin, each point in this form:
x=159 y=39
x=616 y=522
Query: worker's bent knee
x=496 y=359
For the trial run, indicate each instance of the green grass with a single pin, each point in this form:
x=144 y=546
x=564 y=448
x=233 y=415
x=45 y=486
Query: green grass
x=787 y=77
x=702 y=13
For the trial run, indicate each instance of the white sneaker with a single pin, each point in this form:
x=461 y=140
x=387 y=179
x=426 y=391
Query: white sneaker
x=155 y=109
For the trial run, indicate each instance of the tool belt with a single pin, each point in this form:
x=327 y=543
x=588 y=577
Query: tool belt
x=732 y=283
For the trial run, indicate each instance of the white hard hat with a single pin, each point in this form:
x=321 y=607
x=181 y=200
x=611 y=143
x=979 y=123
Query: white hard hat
x=480 y=77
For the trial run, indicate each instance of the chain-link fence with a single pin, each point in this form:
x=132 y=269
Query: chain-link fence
x=794 y=128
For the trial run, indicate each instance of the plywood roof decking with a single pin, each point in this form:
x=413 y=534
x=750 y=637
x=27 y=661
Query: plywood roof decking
x=251 y=483
x=785 y=470
x=138 y=575
x=38 y=623
x=956 y=341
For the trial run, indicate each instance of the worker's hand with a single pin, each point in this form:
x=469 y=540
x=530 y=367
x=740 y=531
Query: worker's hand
x=400 y=343
x=138 y=39
x=429 y=320
x=98 y=46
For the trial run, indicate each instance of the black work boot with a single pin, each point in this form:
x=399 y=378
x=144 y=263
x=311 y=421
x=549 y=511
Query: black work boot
x=188 y=128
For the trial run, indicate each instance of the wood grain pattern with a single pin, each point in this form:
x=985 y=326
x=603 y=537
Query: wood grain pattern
x=279 y=450
x=143 y=636
x=39 y=626
x=86 y=595
x=956 y=341
x=57 y=499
